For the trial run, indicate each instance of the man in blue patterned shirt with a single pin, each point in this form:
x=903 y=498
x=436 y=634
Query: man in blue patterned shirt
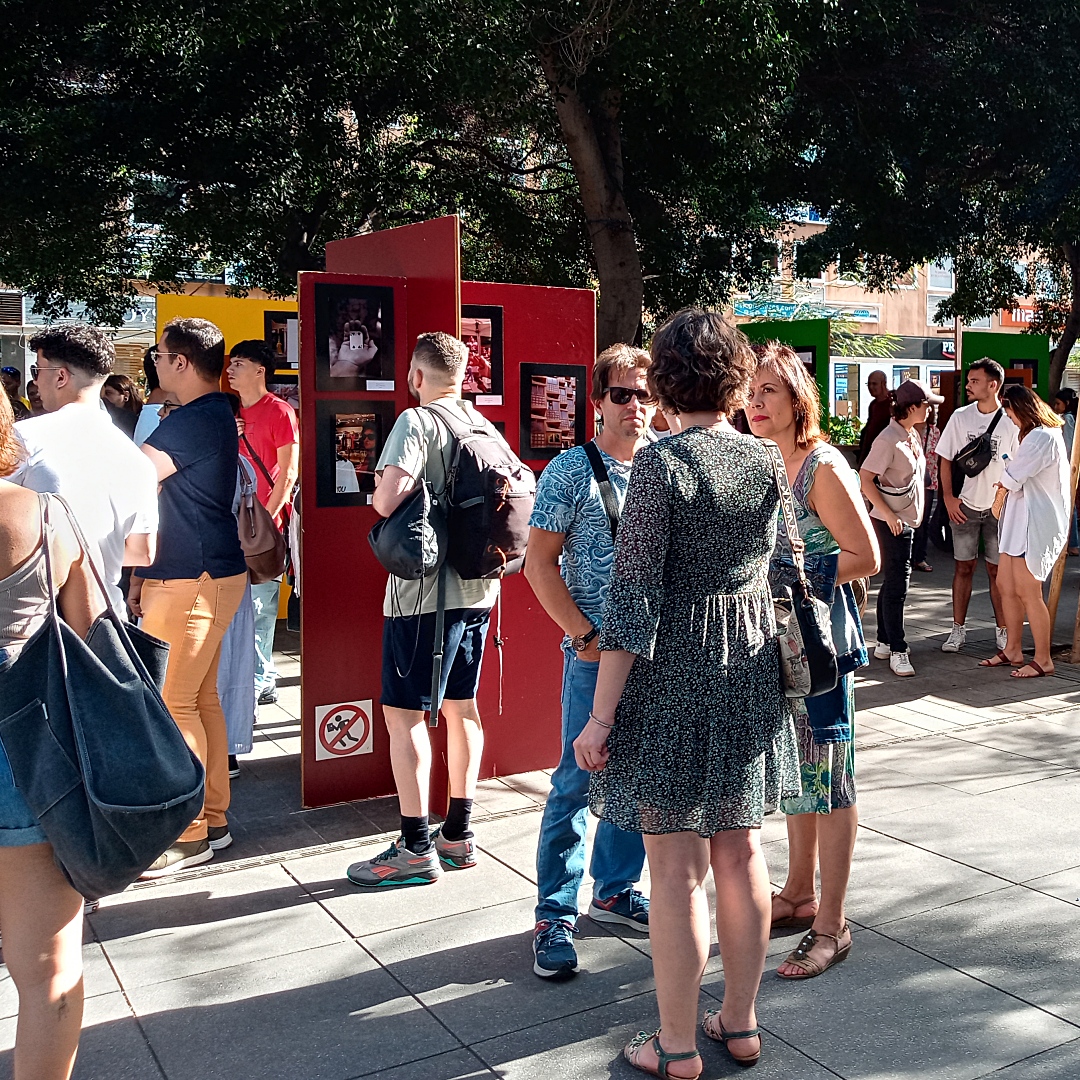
x=571 y=524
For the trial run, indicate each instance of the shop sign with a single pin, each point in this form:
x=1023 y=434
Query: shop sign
x=343 y=730
x=1019 y=317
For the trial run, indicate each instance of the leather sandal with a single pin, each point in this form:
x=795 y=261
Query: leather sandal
x=633 y=1049
x=723 y=1036
x=999 y=659
x=810 y=969
x=1039 y=671
x=792 y=921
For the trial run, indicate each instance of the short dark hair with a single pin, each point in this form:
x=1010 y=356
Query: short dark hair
x=258 y=352
x=442 y=353
x=150 y=370
x=77 y=347
x=900 y=412
x=994 y=371
x=701 y=363
x=201 y=342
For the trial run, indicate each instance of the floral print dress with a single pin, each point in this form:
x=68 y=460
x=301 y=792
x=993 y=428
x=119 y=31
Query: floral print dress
x=704 y=738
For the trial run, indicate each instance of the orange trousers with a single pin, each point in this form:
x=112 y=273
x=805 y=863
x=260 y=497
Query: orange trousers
x=192 y=615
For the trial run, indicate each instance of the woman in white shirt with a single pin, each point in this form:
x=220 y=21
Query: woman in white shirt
x=1034 y=527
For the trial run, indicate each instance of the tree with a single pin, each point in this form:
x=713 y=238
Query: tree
x=948 y=130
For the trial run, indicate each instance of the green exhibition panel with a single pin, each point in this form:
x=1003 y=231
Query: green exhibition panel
x=1012 y=352
x=808 y=337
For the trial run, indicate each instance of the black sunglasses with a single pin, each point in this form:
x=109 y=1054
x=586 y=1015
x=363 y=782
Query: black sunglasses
x=621 y=395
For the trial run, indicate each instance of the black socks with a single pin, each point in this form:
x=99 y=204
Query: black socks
x=456 y=825
x=417 y=836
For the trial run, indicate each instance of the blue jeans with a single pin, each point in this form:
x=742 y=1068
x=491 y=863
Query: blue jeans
x=618 y=856
x=264 y=599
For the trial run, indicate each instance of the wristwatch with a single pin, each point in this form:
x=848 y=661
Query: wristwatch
x=581 y=642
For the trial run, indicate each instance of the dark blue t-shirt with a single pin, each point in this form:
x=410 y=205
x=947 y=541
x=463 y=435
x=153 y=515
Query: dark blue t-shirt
x=197 y=526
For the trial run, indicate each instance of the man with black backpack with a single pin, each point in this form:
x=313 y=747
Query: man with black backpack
x=970 y=450
x=432 y=445
x=571 y=552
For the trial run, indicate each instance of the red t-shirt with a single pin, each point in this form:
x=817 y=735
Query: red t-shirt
x=268 y=425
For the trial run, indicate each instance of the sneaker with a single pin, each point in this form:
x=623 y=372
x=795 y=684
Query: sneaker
x=956 y=639
x=454 y=854
x=553 y=949
x=1001 y=637
x=268 y=696
x=234 y=767
x=627 y=908
x=179 y=857
x=397 y=865
x=220 y=837
x=900 y=663
x=90 y=906
x=882 y=652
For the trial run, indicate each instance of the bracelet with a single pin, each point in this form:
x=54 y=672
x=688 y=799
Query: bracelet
x=600 y=722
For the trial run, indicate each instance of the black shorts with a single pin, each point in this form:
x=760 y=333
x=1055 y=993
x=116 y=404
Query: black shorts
x=407 y=646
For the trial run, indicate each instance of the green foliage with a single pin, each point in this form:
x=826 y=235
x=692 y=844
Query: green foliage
x=841 y=430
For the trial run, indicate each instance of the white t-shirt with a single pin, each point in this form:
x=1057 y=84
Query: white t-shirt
x=965 y=425
x=109 y=483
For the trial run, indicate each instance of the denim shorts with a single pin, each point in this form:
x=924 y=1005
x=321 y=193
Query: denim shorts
x=406 y=658
x=965 y=537
x=18 y=827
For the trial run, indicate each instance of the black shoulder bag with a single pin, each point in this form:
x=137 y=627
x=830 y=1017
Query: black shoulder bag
x=603 y=482
x=979 y=452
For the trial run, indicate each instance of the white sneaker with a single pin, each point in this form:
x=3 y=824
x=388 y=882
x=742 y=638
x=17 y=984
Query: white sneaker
x=882 y=652
x=1001 y=636
x=900 y=663
x=956 y=639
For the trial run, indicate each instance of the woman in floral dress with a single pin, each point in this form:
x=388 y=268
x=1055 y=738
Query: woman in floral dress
x=839 y=546
x=691 y=739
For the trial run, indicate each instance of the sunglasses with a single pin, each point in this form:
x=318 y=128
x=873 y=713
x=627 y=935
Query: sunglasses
x=35 y=370
x=621 y=395
x=157 y=355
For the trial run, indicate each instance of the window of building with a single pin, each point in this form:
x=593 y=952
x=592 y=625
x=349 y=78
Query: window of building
x=939 y=275
x=932 y=302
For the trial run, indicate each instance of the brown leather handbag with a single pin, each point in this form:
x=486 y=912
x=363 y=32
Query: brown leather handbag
x=261 y=539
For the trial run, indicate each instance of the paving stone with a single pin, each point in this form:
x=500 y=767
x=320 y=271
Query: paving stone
x=171 y=931
x=965 y=766
x=497 y=798
x=904 y=1017
x=1064 y=885
x=455 y=1065
x=330 y=1016
x=882 y=790
x=98 y=977
x=370 y=911
x=536 y=785
x=1061 y=1063
x=1031 y=738
x=1018 y=940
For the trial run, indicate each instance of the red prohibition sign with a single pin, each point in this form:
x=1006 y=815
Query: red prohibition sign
x=344 y=729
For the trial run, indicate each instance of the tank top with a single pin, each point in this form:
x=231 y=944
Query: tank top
x=24 y=602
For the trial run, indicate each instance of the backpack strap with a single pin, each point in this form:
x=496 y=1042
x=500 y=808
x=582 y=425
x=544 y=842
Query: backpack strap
x=439 y=649
x=603 y=482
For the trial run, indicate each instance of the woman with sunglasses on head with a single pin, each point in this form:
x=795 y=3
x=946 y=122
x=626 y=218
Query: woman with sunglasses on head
x=840 y=546
x=41 y=915
x=690 y=738
x=1034 y=527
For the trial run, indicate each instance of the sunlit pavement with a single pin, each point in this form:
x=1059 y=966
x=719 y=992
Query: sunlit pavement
x=964 y=901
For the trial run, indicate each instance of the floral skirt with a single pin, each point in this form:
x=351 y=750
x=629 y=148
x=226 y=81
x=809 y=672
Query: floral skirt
x=827 y=769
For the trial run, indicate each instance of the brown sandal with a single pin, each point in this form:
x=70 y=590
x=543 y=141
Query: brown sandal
x=792 y=921
x=1039 y=672
x=810 y=969
x=999 y=659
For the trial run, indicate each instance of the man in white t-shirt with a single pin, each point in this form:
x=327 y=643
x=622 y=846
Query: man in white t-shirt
x=76 y=451
x=969 y=513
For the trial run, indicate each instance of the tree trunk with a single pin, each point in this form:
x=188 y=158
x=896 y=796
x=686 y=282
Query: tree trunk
x=1071 y=331
x=594 y=145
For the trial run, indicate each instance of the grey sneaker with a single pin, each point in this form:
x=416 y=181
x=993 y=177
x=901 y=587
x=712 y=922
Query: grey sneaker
x=900 y=663
x=956 y=639
x=882 y=651
x=220 y=837
x=454 y=854
x=397 y=865
x=179 y=857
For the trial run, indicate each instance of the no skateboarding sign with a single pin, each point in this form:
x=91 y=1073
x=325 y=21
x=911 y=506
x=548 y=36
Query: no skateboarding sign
x=343 y=730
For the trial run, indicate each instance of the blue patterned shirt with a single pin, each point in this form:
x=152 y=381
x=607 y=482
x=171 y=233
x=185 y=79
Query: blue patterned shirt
x=568 y=501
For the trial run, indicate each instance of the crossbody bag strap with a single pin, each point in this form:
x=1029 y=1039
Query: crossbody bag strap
x=787 y=505
x=79 y=535
x=994 y=423
x=285 y=511
x=603 y=482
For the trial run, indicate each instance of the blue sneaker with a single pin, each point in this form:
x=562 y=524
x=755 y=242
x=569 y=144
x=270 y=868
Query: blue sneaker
x=553 y=947
x=628 y=908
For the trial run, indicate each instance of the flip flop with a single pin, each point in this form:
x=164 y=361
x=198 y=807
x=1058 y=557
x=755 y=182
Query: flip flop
x=725 y=1036
x=792 y=921
x=1002 y=660
x=1039 y=672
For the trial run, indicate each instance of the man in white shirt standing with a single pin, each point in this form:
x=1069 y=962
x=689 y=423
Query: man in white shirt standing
x=76 y=451
x=969 y=513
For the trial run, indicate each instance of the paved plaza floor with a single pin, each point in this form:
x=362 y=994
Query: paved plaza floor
x=965 y=905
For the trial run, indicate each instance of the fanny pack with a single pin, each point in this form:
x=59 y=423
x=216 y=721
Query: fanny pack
x=979 y=452
x=897 y=499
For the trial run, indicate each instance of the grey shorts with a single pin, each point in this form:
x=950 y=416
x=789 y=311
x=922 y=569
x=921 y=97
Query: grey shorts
x=965 y=538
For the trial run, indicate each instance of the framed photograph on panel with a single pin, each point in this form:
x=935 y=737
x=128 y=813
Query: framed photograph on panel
x=286 y=385
x=349 y=436
x=808 y=355
x=482 y=332
x=281 y=333
x=554 y=398
x=354 y=337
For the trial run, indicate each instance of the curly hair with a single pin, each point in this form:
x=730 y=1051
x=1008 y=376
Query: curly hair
x=77 y=347
x=9 y=445
x=785 y=364
x=700 y=364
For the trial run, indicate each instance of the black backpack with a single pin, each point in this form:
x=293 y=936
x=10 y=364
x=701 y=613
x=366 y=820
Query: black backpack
x=489 y=499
